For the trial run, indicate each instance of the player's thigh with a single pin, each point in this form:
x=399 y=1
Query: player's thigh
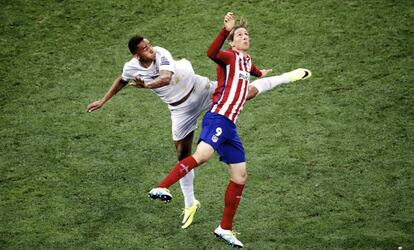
x=203 y=152
x=183 y=122
x=231 y=151
x=185 y=116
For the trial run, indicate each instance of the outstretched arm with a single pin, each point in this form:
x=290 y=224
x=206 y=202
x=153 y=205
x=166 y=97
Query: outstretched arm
x=259 y=73
x=115 y=88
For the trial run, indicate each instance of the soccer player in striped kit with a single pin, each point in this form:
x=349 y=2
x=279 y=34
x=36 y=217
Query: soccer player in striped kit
x=219 y=133
x=186 y=94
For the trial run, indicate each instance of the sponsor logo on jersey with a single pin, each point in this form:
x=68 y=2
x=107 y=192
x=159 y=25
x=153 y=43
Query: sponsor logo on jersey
x=164 y=61
x=244 y=75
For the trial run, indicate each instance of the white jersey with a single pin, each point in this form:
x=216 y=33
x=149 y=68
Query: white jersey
x=182 y=79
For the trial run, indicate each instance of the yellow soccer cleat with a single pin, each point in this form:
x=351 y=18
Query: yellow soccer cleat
x=189 y=214
x=298 y=74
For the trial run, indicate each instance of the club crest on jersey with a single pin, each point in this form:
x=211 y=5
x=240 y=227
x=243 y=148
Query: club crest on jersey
x=164 y=61
x=244 y=75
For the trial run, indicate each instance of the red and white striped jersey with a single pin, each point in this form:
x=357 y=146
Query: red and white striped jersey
x=233 y=76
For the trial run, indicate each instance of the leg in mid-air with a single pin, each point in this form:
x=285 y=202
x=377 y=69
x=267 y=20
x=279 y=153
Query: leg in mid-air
x=264 y=84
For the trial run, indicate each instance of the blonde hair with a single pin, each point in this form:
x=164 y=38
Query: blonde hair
x=242 y=24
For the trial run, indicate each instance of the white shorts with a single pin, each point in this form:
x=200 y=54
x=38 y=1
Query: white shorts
x=185 y=115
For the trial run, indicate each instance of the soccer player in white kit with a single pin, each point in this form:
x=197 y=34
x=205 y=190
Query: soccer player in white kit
x=186 y=94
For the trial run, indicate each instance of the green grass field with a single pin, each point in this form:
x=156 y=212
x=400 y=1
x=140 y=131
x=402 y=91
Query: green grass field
x=330 y=159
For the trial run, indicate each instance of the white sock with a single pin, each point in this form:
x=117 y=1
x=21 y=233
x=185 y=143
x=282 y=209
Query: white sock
x=186 y=184
x=268 y=83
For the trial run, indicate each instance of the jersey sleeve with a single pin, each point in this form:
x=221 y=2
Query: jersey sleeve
x=126 y=75
x=255 y=71
x=215 y=52
x=165 y=60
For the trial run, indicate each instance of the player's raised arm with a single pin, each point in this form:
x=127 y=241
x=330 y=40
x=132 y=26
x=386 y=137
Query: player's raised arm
x=214 y=51
x=115 y=88
x=229 y=21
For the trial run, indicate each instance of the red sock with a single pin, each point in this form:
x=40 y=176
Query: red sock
x=180 y=170
x=231 y=202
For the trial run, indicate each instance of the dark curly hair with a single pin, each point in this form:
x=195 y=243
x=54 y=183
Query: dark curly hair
x=133 y=43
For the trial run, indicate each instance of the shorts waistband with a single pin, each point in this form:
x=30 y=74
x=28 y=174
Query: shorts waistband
x=182 y=99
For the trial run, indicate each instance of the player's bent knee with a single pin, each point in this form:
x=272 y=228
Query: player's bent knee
x=201 y=157
x=183 y=146
x=182 y=153
x=238 y=172
x=240 y=178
